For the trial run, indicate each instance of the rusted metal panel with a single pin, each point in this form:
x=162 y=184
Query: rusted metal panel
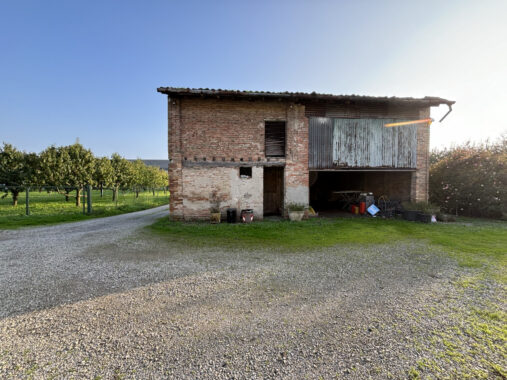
x=337 y=143
x=320 y=142
x=367 y=143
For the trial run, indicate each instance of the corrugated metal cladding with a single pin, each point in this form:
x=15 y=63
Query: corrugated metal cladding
x=363 y=110
x=336 y=143
x=320 y=143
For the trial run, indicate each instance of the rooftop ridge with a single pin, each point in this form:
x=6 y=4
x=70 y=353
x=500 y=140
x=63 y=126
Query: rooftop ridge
x=210 y=92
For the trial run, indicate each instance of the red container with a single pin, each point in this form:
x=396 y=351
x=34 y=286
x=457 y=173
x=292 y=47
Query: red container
x=247 y=216
x=354 y=209
x=362 y=207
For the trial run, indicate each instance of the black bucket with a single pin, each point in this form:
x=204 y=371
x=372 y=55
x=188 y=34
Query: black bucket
x=410 y=215
x=231 y=215
x=425 y=218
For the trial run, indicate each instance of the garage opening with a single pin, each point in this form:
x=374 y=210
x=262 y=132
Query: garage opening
x=333 y=190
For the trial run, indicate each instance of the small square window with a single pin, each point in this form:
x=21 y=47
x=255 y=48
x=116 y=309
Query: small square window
x=245 y=172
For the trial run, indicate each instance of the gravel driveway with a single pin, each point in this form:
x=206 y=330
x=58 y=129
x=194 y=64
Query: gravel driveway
x=105 y=299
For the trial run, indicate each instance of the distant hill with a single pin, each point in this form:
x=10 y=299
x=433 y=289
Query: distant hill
x=162 y=164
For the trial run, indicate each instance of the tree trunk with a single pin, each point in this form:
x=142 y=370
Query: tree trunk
x=66 y=196
x=137 y=193
x=78 y=197
x=101 y=190
x=114 y=193
x=153 y=191
x=15 y=198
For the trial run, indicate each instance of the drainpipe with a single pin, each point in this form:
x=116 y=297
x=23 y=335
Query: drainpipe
x=448 y=112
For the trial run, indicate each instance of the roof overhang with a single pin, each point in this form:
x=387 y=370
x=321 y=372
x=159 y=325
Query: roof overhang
x=427 y=101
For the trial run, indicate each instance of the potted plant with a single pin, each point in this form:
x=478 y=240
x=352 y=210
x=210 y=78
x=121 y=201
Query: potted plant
x=296 y=211
x=214 y=209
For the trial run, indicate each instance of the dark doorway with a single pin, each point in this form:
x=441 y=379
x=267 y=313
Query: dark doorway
x=326 y=186
x=273 y=190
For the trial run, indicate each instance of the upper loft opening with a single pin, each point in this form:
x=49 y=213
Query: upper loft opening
x=274 y=138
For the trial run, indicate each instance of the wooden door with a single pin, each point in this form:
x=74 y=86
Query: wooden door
x=273 y=190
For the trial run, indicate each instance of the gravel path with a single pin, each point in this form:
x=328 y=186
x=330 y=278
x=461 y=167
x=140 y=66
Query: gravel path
x=104 y=299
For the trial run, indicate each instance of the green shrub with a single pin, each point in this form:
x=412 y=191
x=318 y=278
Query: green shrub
x=296 y=207
x=470 y=179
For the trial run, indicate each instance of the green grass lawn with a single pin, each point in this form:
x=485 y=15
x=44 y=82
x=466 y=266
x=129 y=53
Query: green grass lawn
x=51 y=208
x=473 y=242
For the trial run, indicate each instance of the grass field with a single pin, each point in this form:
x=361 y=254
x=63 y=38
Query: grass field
x=51 y=208
x=468 y=335
x=473 y=242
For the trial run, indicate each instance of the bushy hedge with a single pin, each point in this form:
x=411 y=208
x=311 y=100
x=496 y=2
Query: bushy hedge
x=471 y=179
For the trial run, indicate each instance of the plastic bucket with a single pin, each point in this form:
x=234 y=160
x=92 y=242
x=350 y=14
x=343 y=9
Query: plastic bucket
x=247 y=216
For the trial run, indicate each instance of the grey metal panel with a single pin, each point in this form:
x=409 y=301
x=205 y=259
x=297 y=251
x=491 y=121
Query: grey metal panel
x=367 y=143
x=320 y=143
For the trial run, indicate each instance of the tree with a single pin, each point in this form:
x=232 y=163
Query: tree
x=148 y=177
x=16 y=170
x=140 y=175
x=54 y=169
x=80 y=165
x=122 y=176
x=158 y=178
x=103 y=175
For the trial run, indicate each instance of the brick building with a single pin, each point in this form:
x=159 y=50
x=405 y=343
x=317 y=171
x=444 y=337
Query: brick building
x=264 y=150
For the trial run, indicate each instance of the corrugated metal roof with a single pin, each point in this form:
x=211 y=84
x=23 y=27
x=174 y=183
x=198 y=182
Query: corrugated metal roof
x=300 y=96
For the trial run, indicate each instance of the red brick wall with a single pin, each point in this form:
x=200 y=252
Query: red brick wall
x=175 y=159
x=226 y=128
x=205 y=131
x=420 y=178
x=296 y=167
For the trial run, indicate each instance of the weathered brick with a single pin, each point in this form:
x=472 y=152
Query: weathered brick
x=210 y=138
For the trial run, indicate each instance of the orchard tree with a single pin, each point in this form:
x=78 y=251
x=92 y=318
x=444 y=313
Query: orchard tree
x=54 y=169
x=16 y=170
x=140 y=175
x=103 y=175
x=123 y=173
x=157 y=178
x=79 y=167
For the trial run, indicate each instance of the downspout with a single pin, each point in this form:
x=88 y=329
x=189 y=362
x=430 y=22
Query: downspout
x=448 y=112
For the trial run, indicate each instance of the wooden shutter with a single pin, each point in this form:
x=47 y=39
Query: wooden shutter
x=275 y=138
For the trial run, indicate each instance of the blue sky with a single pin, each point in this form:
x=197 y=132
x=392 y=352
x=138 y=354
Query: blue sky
x=90 y=69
